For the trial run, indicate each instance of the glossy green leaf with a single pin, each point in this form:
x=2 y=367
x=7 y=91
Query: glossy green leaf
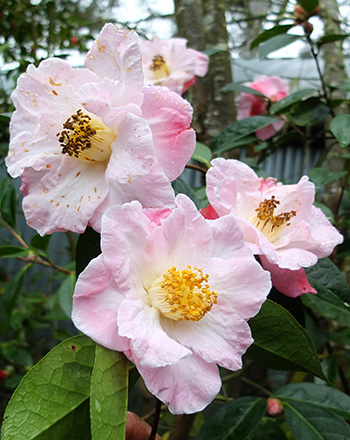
x=234 y=87
x=291 y=99
x=322 y=176
x=270 y=33
x=312 y=422
x=281 y=343
x=202 y=154
x=234 y=145
x=236 y=420
x=88 y=247
x=14 y=289
x=331 y=277
x=340 y=128
x=239 y=130
x=327 y=304
x=39 y=242
x=268 y=429
x=330 y=368
x=276 y=43
x=65 y=295
x=309 y=112
x=51 y=402
x=9 y=206
x=308 y=5
x=109 y=394
x=331 y=38
x=182 y=187
x=13 y=251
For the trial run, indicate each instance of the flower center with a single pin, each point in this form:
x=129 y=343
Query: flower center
x=183 y=294
x=86 y=138
x=268 y=223
x=159 y=67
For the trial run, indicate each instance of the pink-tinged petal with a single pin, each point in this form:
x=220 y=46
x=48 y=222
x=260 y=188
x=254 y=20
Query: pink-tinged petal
x=157 y=215
x=132 y=151
x=228 y=237
x=50 y=87
x=188 y=84
x=169 y=117
x=186 y=387
x=266 y=132
x=295 y=258
x=209 y=213
x=191 y=245
x=152 y=190
x=150 y=343
x=291 y=283
x=96 y=304
x=65 y=196
x=220 y=337
x=116 y=55
x=202 y=62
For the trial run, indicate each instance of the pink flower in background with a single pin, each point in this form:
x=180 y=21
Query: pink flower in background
x=83 y=139
x=174 y=293
x=274 y=88
x=171 y=63
x=279 y=222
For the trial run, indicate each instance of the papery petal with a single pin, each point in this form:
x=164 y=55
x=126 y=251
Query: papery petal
x=169 y=117
x=96 y=306
x=186 y=387
x=116 y=54
x=209 y=212
x=292 y=283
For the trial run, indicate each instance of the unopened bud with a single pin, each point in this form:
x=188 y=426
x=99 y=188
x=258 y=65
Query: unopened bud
x=74 y=40
x=3 y=375
x=274 y=407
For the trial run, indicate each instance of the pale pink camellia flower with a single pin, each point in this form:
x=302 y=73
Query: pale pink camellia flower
x=279 y=222
x=274 y=88
x=83 y=139
x=173 y=293
x=171 y=63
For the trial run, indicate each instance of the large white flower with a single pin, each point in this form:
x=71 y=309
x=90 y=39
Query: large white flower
x=173 y=291
x=83 y=139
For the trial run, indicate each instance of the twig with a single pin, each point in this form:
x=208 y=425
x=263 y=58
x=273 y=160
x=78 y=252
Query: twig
x=155 y=420
x=257 y=386
x=196 y=167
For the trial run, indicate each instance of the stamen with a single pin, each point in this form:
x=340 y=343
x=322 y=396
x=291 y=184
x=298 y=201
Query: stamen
x=268 y=223
x=159 y=67
x=183 y=294
x=86 y=138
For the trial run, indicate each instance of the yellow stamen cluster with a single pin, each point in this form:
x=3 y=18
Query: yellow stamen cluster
x=159 y=67
x=85 y=138
x=183 y=294
x=268 y=223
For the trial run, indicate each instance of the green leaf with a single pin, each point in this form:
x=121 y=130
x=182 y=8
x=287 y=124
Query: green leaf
x=240 y=88
x=268 y=429
x=331 y=38
x=9 y=206
x=181 y=187
x=233 y=145
x=331 y=277
x=39 y=242
x=291 y=99
x=276 y=43
x=51 y=402
x=239 y=130
x=88 y=247
x=13 y=251
x=236 y=420
x=311 y=422
x=340 y=128
x=270 y=33
x=308 y=5
x=281 y=343
x=109 y=394
x=330 y=368
x=309 y=112
x=322 y=176
x=327 y=304
x=13 y=290
x=320 y=395
x=65 y=295
x=202 y=154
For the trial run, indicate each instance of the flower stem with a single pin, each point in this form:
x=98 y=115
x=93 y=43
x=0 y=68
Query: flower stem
x=155 y=420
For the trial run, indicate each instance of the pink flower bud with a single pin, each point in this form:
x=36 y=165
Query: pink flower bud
x=274 y=407
x=3 y=375
x=74 y=40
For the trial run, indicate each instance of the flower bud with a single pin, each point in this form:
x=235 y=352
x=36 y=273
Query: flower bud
x=274 y=407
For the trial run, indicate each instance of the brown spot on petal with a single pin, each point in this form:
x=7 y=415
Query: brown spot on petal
x=54 y=92
x=51 y=81
x=48 y=165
